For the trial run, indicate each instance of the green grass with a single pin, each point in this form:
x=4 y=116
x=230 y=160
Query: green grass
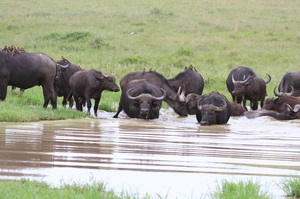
x=240 y=190
x=291 y=187
x=213 y=36
x=26 y=189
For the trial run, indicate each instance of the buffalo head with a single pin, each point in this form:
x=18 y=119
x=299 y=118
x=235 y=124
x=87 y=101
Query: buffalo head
x=145 y=104
x=280 y=94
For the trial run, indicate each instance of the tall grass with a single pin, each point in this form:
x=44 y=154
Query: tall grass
x=240 y=190
x=213 y=36
x=291 y=187
x=26 y=189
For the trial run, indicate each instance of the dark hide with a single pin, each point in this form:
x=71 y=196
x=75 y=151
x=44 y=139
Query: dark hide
x=176 y=100
x=237 y=109
x=89 y=84
x=191 y=103
x=141 y=99
x=190 y=81
x=287 y=114
x=290 y=83
x=213 y=108
x=26 y=70
x=278 y=104
x=61 y=84
x=252 y=89
x=240 y=73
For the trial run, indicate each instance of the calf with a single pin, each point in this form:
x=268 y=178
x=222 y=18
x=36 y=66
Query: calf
x=89 y=84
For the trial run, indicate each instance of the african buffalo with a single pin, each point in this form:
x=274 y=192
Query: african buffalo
x=89 y=84
x=290 y=84
x=237 y=109
x=278 y=103
x=191 y=103
x=61 y=84
x=141 y=99
x=24 y=70
x=213 y=108
x=252 y=89
x=288 y=114
x=176 y=100
x=240 y=74
x=190 y=81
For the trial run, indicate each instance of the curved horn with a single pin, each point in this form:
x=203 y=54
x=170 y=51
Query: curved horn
x=199 y=106
x=289 y=108
x=63 y=66
x=269 y=78
x=233 y=80
x=296 y=108
x=290 y=93
x=280 y=94
x=276 y=93
x=129 y=96
x=222 y=107
x=162 y=97
x=242 y=82
x=146 y=94
x=179 y=89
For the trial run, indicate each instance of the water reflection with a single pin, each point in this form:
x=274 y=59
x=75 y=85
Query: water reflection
x=156 y=151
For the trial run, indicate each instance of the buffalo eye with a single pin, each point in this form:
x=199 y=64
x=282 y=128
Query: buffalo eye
x=155 y=106
x=136 y=103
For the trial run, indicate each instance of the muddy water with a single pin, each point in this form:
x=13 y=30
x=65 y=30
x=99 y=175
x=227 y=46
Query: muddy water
x=170 y=156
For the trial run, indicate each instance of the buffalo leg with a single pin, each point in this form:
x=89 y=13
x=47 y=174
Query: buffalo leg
x=3 y=91
x=97 y=100
x=49 y=95
x=254 y=105
x=78 y=104
x=119 y=111
x=89 y=105
x=244 y=103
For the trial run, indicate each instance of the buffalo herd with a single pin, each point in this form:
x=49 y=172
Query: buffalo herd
x=143 y=92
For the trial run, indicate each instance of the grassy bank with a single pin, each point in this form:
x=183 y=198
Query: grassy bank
x=26 y=189
x=122 y=36
x=225 y=190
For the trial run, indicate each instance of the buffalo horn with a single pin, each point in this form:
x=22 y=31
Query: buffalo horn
x=269 y=78
x=64 y=66
x=242 y=82
x=222 y=107
x=146 y=94
x=280 y=94
x=289 y=108
x=217 y=108
x=181 y=95
x=161 y=97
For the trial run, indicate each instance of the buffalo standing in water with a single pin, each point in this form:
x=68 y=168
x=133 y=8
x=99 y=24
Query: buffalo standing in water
x=213 y=108
x=176 y=100
x=89 y=84
x=24 y=70
x=289 y=84
x=61 y=84
x=189 y=80
x=250 y=88
x=141 y=99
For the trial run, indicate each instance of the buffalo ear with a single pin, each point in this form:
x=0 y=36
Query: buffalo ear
x=100 y=77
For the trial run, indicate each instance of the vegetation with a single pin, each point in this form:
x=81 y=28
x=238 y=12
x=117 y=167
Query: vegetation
x=240 y=190
x=118 y=37
x=226 y=190
x=291 y=187
x=26 y=189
